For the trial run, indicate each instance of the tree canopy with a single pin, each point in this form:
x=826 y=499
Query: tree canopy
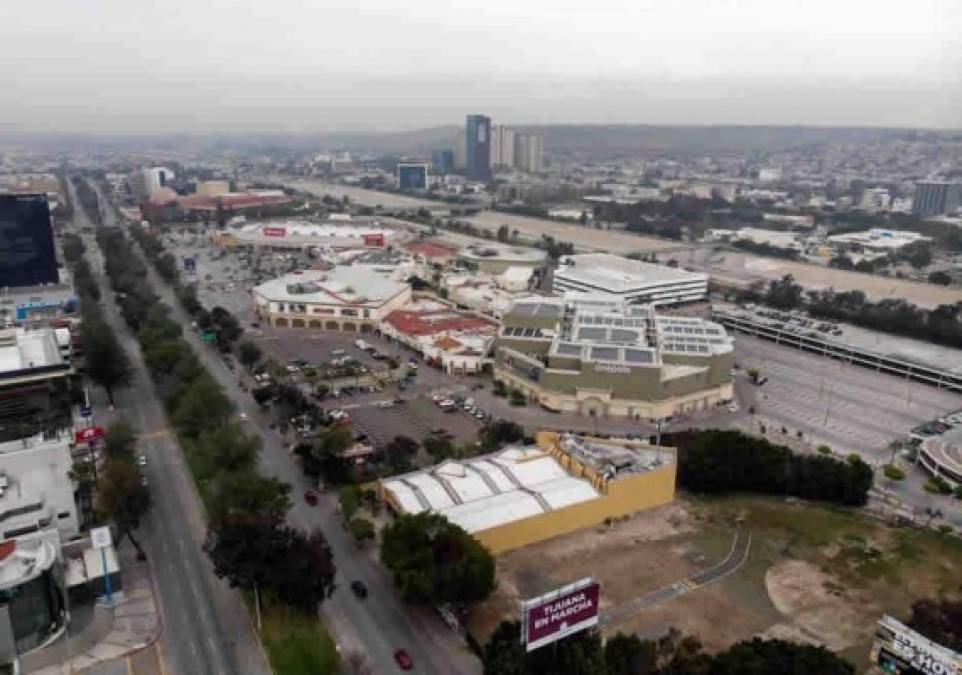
x=718 y=461
x=434 y=561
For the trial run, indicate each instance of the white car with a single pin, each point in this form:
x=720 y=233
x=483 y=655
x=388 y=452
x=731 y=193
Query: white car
x=242 y=417
x=732 y=407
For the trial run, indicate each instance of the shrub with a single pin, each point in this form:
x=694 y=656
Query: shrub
x=892 y=472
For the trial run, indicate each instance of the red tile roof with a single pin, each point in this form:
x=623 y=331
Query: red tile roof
x=432 y=249
x=439 y=321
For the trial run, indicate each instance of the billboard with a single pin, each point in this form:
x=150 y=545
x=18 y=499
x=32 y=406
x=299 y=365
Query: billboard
x=560 y=613
x=374 y=239
x=274 y=231
x=27 y=255
x=899 y=650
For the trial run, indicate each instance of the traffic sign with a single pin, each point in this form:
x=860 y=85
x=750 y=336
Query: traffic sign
x=86 y=411
x=100 y=537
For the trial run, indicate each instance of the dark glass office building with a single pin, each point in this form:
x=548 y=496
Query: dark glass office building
x=442 y=162
x=412 y=176
x=478 y=150
x=27 y=255
x=935 y=197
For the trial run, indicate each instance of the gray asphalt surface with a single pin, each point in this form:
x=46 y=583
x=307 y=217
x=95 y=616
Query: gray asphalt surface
x=206 y=626
x=378 y=625
x=741 y=545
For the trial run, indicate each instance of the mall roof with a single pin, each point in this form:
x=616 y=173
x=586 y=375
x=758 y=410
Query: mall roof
x=343 y=284
x=616 y=273
x=490 y=490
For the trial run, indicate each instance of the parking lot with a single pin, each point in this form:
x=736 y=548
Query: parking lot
x=848 y=407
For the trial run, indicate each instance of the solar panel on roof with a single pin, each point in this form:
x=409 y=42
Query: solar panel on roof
x=604 y=353
x=639 y=356
x=623 y=335
x=569 y=349
x=592 y=333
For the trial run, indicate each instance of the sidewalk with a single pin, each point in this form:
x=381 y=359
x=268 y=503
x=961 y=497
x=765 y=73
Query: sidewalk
x=132 y=624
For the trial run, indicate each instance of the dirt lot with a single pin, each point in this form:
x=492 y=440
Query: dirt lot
x=814 y=574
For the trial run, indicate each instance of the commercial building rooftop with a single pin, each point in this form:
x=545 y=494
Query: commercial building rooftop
x=617 y=274
x=24 y=353
x=491 y=490
x=342 y=285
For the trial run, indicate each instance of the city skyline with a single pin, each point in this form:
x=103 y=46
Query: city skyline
x=165 y=68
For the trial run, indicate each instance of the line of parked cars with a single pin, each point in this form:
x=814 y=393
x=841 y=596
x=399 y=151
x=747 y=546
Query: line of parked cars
x=453 y=403
x=795 y=322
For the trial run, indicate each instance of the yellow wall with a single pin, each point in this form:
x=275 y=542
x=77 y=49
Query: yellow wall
x=625 y=496
x=620 y=497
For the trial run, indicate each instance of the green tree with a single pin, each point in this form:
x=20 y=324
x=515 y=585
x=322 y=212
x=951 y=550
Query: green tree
x=246 y=495
x=939 y=621
x=203 y=406
x=226 y=449
x=440 y=446
x=249 y=353
x=761 y=657
x=258 y=555
x=106 y=361
x=399 y=452
x=349 y=497
x=434 y=561
x=499 y=433
x=122 y=498
x=361 y=529
x=120 y=441
x=629 y=655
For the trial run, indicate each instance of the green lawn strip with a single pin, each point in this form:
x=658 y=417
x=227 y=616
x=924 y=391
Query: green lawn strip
x=296 y=643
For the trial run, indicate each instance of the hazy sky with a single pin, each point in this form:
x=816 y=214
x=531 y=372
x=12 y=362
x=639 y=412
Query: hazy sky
x=314 y=65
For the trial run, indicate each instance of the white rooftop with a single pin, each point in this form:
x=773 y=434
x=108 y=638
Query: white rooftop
x=617 y=274
x=22 y=349
x=491 y=490
x=344 y=285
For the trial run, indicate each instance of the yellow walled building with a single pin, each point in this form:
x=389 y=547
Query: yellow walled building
x=522 y=495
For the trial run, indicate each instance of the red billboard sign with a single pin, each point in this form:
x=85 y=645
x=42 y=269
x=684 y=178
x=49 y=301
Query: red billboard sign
x=560 y=613
x=274 y=231
x=88 y=434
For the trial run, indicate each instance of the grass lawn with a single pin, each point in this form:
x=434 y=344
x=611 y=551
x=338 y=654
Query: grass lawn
x=297 y=644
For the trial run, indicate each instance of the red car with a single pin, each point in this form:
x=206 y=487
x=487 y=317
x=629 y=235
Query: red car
x=403 y=659
x=310 y=497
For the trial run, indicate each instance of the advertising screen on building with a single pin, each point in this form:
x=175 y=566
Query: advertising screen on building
x=27 y=255
x=902 y=651
x=274 y=231
x=560 y=613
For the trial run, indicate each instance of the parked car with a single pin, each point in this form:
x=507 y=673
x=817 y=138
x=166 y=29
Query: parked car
x=310 y=497
x=359 y=589
x=403 y=659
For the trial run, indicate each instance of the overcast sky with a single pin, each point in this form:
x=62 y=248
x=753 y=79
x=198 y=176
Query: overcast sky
x=316 y=65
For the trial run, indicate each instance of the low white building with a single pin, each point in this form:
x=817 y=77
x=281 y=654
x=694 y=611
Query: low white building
x=334 y=234
x=36 y=491
x=631 y=281
x=877 y=240
x=346 y=298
